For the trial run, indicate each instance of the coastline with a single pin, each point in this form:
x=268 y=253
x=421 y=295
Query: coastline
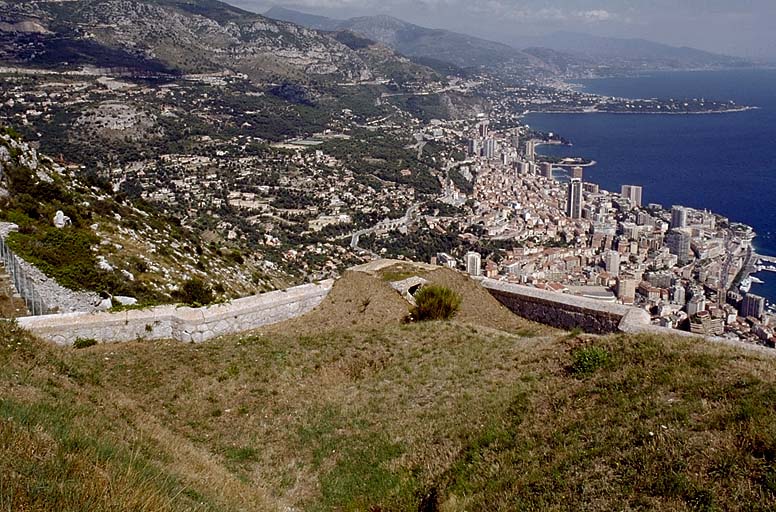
x=592 y=111
x=564 y=85
x=757 y=102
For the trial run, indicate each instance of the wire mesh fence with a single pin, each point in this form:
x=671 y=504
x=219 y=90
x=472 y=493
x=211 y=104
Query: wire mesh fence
x=22 y=282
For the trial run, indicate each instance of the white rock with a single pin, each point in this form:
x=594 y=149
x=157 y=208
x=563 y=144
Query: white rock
x=103 y=264
x=61 y=220
x=125 y=301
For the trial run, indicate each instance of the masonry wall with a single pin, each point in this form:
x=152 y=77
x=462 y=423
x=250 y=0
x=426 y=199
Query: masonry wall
x=566 y=311
x=181 y=323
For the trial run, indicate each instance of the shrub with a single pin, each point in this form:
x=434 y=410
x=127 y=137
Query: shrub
x=588 y=360
x=435 y=303
x=195 y=291
x=84 y=342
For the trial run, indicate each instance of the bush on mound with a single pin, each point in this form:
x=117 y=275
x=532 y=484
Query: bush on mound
x=435 y=303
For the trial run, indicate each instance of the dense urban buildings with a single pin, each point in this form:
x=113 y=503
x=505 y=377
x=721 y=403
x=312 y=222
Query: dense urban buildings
x=681 y=265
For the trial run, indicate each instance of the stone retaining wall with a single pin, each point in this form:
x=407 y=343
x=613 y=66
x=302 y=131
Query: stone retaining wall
x=569 y=312
x=180 y=323
x=566 y=311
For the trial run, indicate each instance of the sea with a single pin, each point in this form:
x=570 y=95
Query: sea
x=722 y=162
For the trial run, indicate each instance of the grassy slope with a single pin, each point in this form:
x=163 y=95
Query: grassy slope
x=439 y=416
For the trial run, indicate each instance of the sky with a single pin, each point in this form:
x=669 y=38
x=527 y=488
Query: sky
x=745 y=28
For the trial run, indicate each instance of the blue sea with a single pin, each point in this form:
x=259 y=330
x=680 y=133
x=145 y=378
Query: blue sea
x=723 y=162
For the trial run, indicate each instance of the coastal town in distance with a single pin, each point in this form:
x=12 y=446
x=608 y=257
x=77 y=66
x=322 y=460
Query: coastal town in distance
x=690 y=269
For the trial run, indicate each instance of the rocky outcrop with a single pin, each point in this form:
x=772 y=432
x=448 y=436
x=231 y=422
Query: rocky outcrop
x=195 y=37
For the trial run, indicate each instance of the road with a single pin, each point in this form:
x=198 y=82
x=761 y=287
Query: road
x=404 y=221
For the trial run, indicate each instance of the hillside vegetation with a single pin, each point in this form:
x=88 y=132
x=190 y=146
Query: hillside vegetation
x=364 y=415
x=111 y=243
x=171 y=37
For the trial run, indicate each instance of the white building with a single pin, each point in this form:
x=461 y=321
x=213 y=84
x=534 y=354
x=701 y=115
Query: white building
x=473 y=263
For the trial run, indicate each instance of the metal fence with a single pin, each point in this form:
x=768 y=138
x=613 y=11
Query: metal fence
x=21 y=281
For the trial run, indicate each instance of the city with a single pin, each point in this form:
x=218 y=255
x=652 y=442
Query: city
x=688 y=268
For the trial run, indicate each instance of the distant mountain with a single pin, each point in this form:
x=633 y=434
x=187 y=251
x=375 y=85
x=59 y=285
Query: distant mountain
x=413 y=40
x=561 y=62
x=180 y=36
x=635 y=53
x=563 y=52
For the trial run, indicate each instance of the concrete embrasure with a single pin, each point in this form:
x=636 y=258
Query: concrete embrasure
x=560 y=310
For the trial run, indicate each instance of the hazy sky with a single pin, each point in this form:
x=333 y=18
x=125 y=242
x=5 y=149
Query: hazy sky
x=736 y=27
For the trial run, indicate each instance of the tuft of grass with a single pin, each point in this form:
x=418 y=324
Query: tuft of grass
x=435 y=302
x=241 y=454
x=84 y=343
x=589 y=359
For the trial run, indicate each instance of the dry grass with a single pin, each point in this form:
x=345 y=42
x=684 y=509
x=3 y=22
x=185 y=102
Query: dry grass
x=446 y=416
x=480 y=308
x=366 y=300
x=356 y=300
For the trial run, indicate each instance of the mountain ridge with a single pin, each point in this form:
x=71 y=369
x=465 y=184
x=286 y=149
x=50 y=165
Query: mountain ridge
x=633 y=49
x=175 y=36
x=413 y=40
x=573 y=50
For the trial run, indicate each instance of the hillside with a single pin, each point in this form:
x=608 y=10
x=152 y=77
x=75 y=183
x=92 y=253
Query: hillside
x=111 y=244
x=560 y=53
x=415 y=41
x=629 y=53
x=171 y=37
x=447 y=416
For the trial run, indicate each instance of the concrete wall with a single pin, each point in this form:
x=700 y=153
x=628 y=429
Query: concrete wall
x=180 y=323
x=241 y=315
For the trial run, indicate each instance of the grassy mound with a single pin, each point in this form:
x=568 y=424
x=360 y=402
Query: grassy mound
x=356 y=300
x=444 y=416
x=479 y=306
x=366 y=300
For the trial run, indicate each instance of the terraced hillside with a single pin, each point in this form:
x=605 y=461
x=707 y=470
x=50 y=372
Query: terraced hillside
x=480 y=413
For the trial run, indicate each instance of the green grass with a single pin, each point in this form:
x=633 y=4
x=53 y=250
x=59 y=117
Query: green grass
x=588 y=360
x=429 y=416
x=84 y=342
x=242 y=454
